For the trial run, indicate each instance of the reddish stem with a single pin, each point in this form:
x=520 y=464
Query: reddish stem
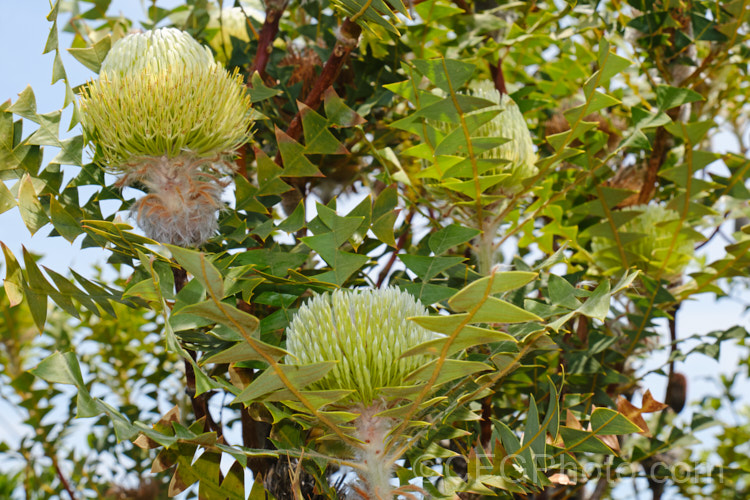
x=63 y=480
x=399 y=246
x=267 y=35
x=348 y=38
x=658 y=155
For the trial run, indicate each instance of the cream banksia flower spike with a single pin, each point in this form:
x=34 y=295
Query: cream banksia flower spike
x=509 y=124
x=229 y=23
x=655 y=247
x=365 y=332
x=165 y=115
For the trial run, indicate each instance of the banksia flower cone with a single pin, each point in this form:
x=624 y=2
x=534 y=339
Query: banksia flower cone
x=165 y=115
x=649 y=243
x=366 y=331
x=508 y=124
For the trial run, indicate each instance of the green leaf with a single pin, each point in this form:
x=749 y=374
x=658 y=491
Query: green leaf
x=445 y=324
x=47 y=133
x=469 y=336
x=92 y=57
x=429 y=267
x=597 y=305
x=296 y=163
x=562 y=293
x=428 y=293
x=258 y=90
x=598 y=102
x=494 y=310
x=58 y=73
x=25 y=105
x=7 y=201
x=382 y=228
x=14 y=282
x=269 y=381
x=36 y=291
x=243 y=351
x=295 y=221
x=338 y=113
x=342 y=227
x=513 y=446
x=343 y=265
x=610 y=64
x=318 y=139
x=51 y=39
x=501 y=282
x=451 y=236
x=32 y=213
x=269 y=175
x=64 y=223
x=583 y=441
x=451 y=369
x=670 y=97
x=605 y=421
x=199 y=266
x=433 y=10
x=60 y=368
x=533 y=435
x=446 y=74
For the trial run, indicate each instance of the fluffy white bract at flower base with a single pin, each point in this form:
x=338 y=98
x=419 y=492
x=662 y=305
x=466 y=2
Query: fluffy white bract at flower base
x=366 y=331
x=165 y=115
x=508 y=124
x=651 y=242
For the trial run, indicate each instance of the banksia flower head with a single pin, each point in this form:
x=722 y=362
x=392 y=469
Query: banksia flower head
x=366 y=331
x=229 y=23
x=509 y=124
x=164 y=114
x=648 y=241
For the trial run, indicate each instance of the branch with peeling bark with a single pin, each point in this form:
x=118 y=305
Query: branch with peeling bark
x=268 y=32
x=348 y=38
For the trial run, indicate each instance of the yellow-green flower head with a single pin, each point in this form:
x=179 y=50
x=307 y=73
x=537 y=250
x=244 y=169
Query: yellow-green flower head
x=509 y=124
x=169 y=118
x=648 y=241
x=366 y=331
x=161 y=93
x=229 y=23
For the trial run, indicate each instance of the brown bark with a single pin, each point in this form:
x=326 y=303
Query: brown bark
x=347 y=40
x=267 y=35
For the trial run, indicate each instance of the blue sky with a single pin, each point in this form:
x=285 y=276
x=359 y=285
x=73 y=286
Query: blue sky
x=23 y=32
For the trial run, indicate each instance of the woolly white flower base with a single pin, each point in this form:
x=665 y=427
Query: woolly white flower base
x=184 y=195
x=376 y=466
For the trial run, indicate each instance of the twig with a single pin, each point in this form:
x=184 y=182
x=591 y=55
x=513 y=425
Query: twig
x=485 y=425
x=62 y=478
x=711 y=236
x=268 y=32
x=254 y=433
x=602 y=485
x=348 y=38
x=658 y=154
x=200 y=403
x=399 y=246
